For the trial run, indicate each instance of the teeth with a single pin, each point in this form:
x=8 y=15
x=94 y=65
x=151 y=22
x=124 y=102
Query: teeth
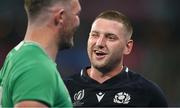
x=99 y=52
x=96 y=51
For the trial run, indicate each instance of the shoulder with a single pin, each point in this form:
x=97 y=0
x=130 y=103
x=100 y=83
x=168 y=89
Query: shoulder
x=77 y=80
x=156 y=94
x=24 y=52
x=28 y=53
x=29 y=59
x=141 y=80
x=73 y=78
x=144 y=82
x=30 y=50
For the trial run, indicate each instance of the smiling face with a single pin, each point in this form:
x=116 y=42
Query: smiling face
x=107 y=44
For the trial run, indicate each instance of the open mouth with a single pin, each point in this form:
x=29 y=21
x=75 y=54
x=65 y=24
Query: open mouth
x=100 y=54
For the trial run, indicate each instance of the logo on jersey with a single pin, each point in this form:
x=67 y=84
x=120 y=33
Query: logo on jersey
x=122 y=98
x=100 y=95
x=78 y=97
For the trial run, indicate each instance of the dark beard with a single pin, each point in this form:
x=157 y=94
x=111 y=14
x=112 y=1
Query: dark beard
x=67 y=39
x=106 y=69
x=103 y=70
x=65 y=45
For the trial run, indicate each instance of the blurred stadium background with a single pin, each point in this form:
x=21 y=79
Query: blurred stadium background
x=156 y=53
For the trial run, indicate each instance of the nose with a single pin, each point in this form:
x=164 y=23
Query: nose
x=100 y=41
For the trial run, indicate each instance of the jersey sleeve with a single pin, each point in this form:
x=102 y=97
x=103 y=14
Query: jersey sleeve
x=158 y=97
x=35 y=82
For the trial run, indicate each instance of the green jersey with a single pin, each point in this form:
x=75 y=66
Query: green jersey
x=30 y=74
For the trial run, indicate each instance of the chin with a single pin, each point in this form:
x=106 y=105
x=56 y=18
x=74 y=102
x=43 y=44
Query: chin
x=102 y=67
x=99 y=66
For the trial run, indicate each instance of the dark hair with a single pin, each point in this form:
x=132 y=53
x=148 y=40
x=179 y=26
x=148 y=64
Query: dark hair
x=119 y=17
x=33 y=7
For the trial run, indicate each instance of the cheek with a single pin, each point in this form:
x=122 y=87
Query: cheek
x=116 y=49
x=76 y=21
x=89 y=46
x=116 y=54
x=89 y=51
x=90 y=43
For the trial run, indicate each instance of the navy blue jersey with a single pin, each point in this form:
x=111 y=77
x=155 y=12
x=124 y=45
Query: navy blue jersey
x=126 y=89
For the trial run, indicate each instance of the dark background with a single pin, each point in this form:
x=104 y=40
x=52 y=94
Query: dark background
x=156 y=35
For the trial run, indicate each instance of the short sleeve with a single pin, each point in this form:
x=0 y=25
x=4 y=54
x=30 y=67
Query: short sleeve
x=158 y=97
x=35 y=82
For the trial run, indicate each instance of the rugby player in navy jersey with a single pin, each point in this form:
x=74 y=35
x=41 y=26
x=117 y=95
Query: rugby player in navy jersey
x=108 y=82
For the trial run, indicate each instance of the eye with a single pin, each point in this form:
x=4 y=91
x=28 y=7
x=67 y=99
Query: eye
x=111 y=37
x=94 y=35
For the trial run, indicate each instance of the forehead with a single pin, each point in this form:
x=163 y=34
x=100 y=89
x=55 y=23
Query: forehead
x=72 y=5
x=107 y=26
x=75 y=5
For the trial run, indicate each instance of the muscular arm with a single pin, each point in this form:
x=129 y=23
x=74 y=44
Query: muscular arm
x=30 y=104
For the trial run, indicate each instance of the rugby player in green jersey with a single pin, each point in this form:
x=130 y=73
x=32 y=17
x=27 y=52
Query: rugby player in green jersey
x=29 y=77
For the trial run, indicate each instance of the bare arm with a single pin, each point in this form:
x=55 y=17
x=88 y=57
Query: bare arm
x=30 y=104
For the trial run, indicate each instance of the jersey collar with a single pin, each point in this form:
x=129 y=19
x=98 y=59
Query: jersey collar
x=121 y=77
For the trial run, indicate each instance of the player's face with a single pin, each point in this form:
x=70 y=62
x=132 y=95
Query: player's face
x=106 y=44
x=71 y=24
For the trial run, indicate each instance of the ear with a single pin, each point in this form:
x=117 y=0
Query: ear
x=128 y=47
x=59 y=17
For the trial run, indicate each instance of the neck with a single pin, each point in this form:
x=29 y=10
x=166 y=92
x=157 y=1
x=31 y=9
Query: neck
x=100 y=77
x=44 y=37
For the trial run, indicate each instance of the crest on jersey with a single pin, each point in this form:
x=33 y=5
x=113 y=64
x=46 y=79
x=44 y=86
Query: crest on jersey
x=78 y=97
x=122 y=98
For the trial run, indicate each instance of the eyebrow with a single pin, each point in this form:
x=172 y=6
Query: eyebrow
x=106 y=33
x=94 y=32
x=110 y=34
